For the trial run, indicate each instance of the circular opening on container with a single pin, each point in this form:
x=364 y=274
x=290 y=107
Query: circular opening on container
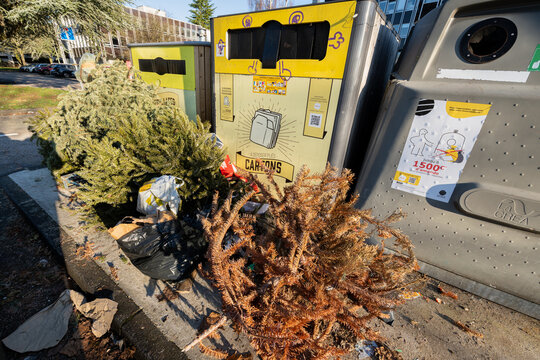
x=487 y=40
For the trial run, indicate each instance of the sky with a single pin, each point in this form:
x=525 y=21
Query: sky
x=179 y=9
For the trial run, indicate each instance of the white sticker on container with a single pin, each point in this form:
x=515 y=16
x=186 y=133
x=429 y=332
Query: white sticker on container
x=440 y=140
x=484 y=75
x=220 y=48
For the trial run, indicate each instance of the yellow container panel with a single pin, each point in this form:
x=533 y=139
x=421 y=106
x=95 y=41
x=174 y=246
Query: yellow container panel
x=339 y=15
x=283 y=115
x=179 y=89
x=174 y=81
x=274 y=128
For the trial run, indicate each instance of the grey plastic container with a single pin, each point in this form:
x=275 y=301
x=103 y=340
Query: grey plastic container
x=485 y=239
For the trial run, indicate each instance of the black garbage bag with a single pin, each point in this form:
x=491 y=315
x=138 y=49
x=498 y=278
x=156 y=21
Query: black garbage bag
x=165 y=250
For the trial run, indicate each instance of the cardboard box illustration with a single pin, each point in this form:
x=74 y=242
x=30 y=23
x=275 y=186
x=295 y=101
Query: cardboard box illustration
x=265 y=128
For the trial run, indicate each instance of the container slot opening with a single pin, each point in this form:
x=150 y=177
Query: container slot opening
x=161 y=66
x=273 y=42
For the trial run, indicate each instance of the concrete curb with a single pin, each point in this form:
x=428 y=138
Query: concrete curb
x=129 y=322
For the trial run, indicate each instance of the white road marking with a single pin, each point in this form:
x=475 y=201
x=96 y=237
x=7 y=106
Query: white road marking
x=12 y=134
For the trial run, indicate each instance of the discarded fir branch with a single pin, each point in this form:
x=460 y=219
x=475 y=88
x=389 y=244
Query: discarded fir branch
x=309 y=276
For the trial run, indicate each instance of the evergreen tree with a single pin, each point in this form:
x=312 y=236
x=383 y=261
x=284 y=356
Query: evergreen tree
x=201 y=12
x=117 y=133
x=29 y=19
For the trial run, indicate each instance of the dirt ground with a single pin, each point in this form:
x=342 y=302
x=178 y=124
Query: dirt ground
x=426 y=329
x=31 y=278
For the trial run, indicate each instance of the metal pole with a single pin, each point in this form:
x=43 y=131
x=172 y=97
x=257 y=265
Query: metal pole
x=70 y=51
x=60 y=44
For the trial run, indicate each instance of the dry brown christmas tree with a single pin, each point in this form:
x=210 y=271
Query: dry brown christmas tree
x=305 y=286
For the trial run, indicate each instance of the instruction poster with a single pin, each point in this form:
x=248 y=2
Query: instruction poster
x=269 y=85
x=440 y=140
x=226 y=97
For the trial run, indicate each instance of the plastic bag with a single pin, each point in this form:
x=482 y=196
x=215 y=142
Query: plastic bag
x=255 y=208
x=214 y=138
x=159 y=194
x=164 y=250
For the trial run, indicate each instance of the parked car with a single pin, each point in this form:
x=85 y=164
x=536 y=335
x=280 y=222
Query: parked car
x=47 y=69
x=27 y=67
x=31 y=67
x=39 y=69
x=64 y=70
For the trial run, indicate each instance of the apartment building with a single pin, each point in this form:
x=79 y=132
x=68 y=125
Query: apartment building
x=150 y=25
x=403 y=14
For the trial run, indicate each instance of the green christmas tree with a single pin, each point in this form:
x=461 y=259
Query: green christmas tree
x=201 y=12
x=117 y=133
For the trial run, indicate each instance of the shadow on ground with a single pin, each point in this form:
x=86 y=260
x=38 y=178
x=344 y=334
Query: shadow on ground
x=26 y=288
x=36 y=80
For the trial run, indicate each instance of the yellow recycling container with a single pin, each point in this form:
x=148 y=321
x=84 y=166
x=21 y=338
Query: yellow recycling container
x=183 y=72
x=300 y=85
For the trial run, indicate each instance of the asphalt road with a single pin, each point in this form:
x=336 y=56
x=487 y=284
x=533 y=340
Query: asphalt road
x=36 y=80
x=17 y=152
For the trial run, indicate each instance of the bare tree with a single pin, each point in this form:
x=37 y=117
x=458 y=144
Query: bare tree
x=153 y=30
x=257 y=5
x=42 y=46
x=30 y=19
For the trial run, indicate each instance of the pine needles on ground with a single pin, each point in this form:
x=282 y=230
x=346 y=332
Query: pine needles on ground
x=308 y=285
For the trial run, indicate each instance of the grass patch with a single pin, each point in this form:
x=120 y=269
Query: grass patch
x=26 y=97
x=5 y=68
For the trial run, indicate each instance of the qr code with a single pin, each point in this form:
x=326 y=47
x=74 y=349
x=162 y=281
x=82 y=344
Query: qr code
x=315 y=120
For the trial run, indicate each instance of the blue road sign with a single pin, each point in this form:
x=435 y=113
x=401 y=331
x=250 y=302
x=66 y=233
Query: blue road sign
x=66 y=33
